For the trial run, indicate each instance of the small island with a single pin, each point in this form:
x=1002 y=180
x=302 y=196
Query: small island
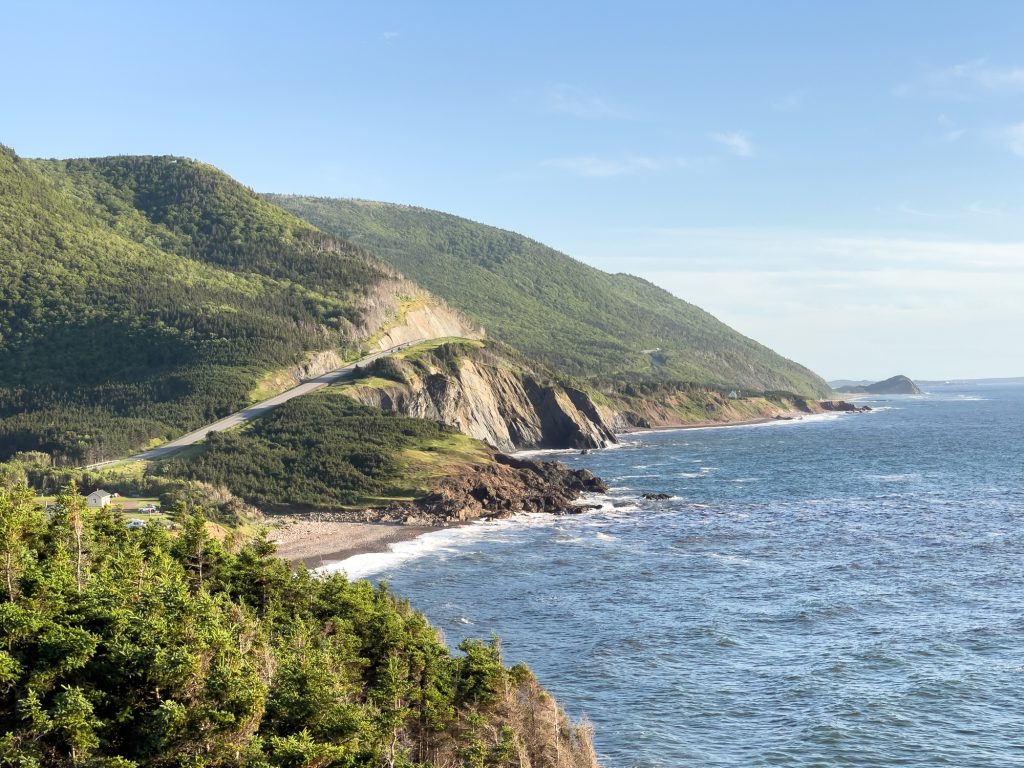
x=897 y=385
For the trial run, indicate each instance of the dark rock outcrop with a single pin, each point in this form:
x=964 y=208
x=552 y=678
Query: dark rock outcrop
x=505 y=487
x=657 y=496
x=843 y=406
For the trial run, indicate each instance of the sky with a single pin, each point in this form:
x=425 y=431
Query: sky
x=840 y=181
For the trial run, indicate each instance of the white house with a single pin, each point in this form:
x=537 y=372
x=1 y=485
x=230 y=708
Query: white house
x=734 y=395
x=97 y=499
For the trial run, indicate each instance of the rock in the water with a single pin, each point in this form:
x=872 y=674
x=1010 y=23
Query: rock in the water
x=843 y=406
x=657 y=496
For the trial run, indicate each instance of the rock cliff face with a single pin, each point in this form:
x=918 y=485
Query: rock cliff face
x=505 y=487
x=486 y=396
x=686 y=406
x=432 y=320
x=398 y=311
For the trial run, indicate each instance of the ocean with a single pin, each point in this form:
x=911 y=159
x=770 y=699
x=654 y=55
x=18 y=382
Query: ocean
x=844 y=590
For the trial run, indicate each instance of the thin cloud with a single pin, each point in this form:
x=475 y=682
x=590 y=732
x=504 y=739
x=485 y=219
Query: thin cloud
x=603 y=167
x=979 y=208
x=578 y=102
x=790 y=102
x=950 y=132
x=965 y=81
x=1014 y=137
x=911 y=210
x=787 y=251
x=735 y=142
x=390 y=35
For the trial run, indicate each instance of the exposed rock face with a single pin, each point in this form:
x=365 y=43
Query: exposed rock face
x=316 y=365
x=842 y=405
x=485 y=396
x=506 y=487
x=897 y=385
x=499 y=488
x=433 y=320
x=671 y=405
x=396 y=311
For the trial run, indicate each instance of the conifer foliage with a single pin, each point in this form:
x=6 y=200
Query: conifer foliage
x=150 y=647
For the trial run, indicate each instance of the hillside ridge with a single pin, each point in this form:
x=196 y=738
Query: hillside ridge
x=563 y=314
x=146 y=296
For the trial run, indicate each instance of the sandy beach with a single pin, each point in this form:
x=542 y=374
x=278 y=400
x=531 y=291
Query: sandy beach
x=319 y=543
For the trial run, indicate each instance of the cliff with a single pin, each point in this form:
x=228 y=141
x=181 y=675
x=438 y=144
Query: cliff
x=647 y=406
x=487 y=391
x=398 y=311
x=486 y=394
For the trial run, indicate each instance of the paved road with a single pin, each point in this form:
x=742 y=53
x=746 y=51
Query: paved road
x=259 y=409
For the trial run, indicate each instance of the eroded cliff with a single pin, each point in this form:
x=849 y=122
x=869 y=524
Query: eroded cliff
x=485 y=394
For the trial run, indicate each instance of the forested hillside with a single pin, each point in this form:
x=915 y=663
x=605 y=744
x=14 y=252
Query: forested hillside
x=136 y=648
x=326 y=451
x=575 y=319
x=143 y=296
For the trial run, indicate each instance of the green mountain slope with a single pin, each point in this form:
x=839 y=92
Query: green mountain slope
x=141 y=297
x=574 y=318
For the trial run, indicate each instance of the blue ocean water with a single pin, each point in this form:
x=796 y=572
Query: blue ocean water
x=839 y=591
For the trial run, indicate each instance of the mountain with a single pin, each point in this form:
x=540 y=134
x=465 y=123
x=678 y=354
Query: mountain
x=561 y=313
x=145 y=296
x=836 y=383
x=897 y=385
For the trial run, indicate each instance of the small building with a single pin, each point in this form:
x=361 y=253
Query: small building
x=734 y=395
x=98 y=499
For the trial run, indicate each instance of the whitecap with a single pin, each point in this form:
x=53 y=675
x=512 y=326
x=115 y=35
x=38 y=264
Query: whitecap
x=896 y=478
x=433 y=542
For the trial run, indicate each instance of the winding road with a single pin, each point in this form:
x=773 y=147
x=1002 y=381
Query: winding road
x=258 y=409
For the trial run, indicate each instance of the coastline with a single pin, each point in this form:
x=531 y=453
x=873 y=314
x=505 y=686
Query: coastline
x=792 y=416
x=318 y=544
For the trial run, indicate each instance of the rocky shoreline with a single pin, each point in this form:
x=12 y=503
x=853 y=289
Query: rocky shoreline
x=842 y=406
x=507 y=486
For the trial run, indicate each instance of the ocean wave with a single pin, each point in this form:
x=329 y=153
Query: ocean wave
x=804 y=419
x=573 y=451
x=433 y=542
x=895 y=478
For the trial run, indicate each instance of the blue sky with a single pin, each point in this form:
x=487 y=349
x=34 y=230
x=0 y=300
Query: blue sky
x=841 y=181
